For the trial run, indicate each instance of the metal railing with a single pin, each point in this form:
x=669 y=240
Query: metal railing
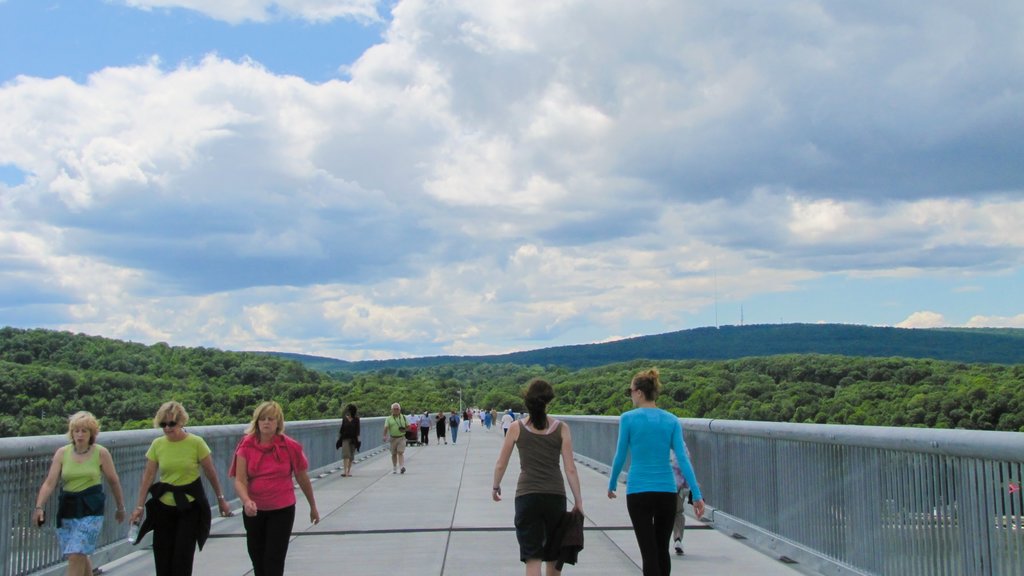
x=24 y=463
x=837 y=499
x=855 y=499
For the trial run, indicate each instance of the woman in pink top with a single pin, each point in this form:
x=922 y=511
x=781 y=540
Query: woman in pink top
x=264 y=464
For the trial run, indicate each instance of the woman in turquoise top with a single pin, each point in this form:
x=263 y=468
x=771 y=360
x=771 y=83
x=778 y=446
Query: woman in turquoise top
x=648 y=434
x=80 y=466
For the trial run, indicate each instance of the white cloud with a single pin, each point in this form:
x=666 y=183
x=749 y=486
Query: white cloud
x=238 y=11
x=924 y=319
x=996 y=321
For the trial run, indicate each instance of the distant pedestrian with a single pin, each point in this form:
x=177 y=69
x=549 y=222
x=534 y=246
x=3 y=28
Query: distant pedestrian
x=439 y=425
x=453 y=425
x=467 y=419
x=647 y=434
x=425 y=428
x=178 y=512
x=395 y=426
x=264 y=464
x=487 y=420
x=506 y=422
x=540 y=492
x=348 y=438
x=494 y=416
x=682 y=491
x=81 y=466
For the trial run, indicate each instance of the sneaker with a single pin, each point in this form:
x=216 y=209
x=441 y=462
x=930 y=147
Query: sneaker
x=679 y=547
x=395 y=470
x=403 y=469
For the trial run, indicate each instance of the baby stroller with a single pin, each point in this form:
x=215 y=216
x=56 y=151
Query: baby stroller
x=412 y=435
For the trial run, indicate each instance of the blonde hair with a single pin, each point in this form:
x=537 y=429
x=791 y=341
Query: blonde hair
x=84 y=420
x=171 y=410
x=268 y=408
x=648 y=382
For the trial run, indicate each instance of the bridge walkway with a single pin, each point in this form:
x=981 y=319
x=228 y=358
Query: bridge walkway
x=438 y=518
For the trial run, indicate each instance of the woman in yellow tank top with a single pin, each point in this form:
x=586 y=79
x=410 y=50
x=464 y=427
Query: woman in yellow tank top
x=80 y=466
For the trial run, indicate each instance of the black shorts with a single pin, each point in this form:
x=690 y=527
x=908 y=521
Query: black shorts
x=537 y=517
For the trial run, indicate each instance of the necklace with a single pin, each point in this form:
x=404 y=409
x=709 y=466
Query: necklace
x=86 y=451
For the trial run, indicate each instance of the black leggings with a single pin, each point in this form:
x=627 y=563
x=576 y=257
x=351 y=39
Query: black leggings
x=266 y=536
x=652 y=515
x=174 y=539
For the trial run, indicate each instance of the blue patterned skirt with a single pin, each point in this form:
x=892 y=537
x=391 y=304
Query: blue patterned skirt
x=79 y=535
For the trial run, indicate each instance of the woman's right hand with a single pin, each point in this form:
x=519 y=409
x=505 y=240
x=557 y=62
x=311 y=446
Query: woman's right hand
x=38 y=517
x=249 y=508
x=136 y=515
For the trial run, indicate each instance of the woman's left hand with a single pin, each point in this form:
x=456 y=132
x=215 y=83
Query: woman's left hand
x=119 y=516
x=698 y=508
x=314 y=515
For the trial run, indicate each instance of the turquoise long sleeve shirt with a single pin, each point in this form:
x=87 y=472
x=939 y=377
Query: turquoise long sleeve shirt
x=647 y=435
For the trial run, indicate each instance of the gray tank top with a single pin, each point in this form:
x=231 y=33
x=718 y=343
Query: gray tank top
x=539 y=455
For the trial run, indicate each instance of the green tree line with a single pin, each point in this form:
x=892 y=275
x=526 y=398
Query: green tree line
x=47 y=375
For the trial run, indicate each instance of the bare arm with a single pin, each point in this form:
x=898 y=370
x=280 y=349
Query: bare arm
x=302 y=477
x=49 y=484
x=148 y=475
x=242 y=486
x=502 y=463
x=211 y=476
x=570 y=468
x=110 y=473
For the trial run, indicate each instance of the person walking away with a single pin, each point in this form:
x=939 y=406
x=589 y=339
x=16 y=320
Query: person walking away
x=453 y=425
x=540 y=492
x=682 y=491
x=264 y=464
x=395 y=426
x=81 y=466
x=647 y=434
x=440 y=426
x=348 y=438
x=506 y=422
x=178 y=512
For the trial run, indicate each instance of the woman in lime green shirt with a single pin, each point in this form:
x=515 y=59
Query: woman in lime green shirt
x=80 y=466
x=178 y=512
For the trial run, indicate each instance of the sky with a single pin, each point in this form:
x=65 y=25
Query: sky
x=369 y=180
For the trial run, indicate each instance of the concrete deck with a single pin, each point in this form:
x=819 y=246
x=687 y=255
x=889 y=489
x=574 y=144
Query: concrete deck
x=438 y=518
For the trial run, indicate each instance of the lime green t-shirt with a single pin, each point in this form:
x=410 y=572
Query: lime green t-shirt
x=178 y=461
x=79 y=476
x=395 y=425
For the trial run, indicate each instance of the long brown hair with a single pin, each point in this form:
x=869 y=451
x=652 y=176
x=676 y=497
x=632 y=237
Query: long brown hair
x=538 y=394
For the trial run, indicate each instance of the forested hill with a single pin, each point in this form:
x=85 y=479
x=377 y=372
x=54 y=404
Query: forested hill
x=46 y=376
x=999 y=346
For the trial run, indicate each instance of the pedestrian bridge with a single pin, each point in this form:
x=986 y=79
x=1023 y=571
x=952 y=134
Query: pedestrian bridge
x=783 y=499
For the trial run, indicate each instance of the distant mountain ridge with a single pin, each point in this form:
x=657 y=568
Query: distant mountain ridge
x=987 y=345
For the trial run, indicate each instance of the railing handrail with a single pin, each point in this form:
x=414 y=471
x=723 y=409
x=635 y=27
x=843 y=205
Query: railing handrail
x=993 y=445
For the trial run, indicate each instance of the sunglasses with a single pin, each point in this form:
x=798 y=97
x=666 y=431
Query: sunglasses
x=170 y=424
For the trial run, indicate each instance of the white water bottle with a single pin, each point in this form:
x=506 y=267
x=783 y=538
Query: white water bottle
x=133 y=533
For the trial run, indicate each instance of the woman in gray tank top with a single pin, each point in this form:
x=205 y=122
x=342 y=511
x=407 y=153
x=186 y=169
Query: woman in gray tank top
x=540 y=492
